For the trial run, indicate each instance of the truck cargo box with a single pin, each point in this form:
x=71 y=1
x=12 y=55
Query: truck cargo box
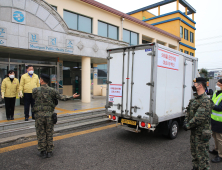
x=148 y=84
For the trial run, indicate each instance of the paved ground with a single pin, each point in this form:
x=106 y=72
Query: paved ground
x=111 y=148
x=71 y=105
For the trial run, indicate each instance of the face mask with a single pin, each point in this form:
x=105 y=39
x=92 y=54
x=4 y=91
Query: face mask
x=218 y=88
x=12 y=76
x=31 y=72
x=194 y=88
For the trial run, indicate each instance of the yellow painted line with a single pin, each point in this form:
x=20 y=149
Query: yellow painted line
x=78 y=111
x=65 y=112
x=28 y=144
x=22 y=118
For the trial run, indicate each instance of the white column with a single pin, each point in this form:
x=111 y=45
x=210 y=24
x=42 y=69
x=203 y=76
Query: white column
x=121 y=30
x=140 y=38
x=95 y=26
x=86 y=86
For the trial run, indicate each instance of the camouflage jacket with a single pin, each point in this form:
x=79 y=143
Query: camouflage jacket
x=44 y=97
x=199 y=113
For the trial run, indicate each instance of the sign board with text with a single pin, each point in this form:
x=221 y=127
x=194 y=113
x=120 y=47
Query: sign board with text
x=115 y=90
x=168 y=60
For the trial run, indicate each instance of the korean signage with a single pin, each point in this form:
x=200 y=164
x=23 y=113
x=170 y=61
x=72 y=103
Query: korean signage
x=115 y=90
x=3 y=36
x=3 y=32
x=33 y=38
x=70 y=44
x=3 y=42
x=168 y=60
x=52 y=44
x=52 y=41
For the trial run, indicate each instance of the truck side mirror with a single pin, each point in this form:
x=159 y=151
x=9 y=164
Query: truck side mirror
x=210 y=92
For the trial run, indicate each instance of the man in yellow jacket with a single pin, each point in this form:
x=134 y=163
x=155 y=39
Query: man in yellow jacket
x=28 y=82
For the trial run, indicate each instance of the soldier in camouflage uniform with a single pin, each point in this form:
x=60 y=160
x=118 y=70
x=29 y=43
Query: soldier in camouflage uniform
x=198 y=121
x=44 y=97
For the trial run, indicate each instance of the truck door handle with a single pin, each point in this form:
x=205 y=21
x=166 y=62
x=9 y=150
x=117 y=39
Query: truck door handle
x=135 y=108
x=118 y=106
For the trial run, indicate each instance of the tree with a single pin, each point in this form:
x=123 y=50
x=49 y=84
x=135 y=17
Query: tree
x=204 y=73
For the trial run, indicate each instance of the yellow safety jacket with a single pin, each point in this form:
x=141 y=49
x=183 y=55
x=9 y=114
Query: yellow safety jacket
x=216 y=115
x=10 y=88
x=28 y=83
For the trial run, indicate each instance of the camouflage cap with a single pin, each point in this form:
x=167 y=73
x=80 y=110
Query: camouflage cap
x=199 y=79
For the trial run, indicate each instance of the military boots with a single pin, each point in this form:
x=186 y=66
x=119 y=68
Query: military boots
x=43 y=154
x=49 y=154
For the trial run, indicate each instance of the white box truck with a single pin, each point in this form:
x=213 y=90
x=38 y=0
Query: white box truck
x=149 y=87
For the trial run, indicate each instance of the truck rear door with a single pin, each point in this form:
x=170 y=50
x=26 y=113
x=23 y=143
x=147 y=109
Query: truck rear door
x=141 y=83
x=115 y=86
x=130 y=82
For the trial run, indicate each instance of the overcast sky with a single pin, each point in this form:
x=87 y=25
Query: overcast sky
x=209 y=26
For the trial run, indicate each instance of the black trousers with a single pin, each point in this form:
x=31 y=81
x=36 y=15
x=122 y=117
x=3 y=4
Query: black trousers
x=9 y=106
x=28 y=100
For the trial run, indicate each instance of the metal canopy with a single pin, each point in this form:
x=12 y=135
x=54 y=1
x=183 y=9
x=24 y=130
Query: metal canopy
x=182 y=2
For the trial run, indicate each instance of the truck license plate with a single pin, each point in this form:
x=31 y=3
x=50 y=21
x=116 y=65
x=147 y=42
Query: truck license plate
x=129 y=122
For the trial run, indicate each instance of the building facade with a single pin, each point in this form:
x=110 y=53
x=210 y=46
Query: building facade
x=68 y=39
x=175 y=22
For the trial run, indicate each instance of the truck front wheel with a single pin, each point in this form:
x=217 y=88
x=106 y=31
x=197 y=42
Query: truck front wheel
x=173 y=131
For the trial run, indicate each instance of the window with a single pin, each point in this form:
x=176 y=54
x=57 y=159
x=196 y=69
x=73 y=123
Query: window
x=145 y=42
x=102 y=73
x=186 y=52
x=173 y=47
x=130 y=37
x=160 y=42
x=192 y=54
x=181 y=50
x=54 y=7
x=181 y=31
x=191 y=37
x=107 y=30
x=185 y=34
x=78 y=22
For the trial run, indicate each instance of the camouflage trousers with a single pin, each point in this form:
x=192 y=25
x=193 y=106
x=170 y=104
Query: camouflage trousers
x=199 y=152
x=44 y=130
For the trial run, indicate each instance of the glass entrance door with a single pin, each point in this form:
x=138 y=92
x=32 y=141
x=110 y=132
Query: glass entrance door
x=3 y=74
x=20 y=69
x=3 y=71
x=49 y=70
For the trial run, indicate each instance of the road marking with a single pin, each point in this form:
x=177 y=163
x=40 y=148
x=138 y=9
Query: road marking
x=28 y=144
x=79 y=111
x=65 y=112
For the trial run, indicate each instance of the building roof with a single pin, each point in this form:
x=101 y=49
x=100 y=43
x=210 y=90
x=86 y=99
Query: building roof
x=182 y=2
x=128 y=17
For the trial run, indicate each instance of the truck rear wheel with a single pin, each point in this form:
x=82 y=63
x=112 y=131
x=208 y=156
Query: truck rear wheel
x=173 y=131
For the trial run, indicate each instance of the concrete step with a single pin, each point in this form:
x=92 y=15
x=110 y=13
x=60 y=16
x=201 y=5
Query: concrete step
x=61 y=123
x=63 y=117
x=56 y=130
